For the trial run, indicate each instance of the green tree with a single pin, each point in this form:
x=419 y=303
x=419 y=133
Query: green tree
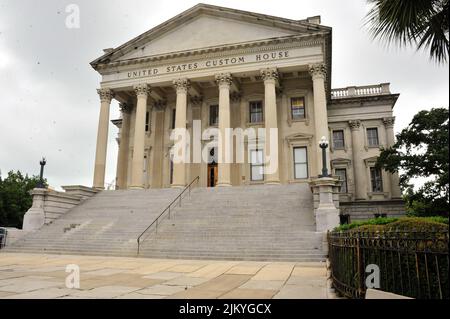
x=421 y=150
x=15 y=198
x=423 y=23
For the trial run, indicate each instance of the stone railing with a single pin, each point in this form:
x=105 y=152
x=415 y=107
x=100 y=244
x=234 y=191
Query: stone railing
x=357 y=91
x=49 y=205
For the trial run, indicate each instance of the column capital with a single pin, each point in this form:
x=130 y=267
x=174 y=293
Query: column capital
x=224 y=80
x=235 y=97
x=125 y=107
x=389 y=122
x=160 y=105
x=106 y=95
x=317 y=70
x=182 y=85
x=142 y=89
x=354 y=124
x=269 y=74
x=196 y=100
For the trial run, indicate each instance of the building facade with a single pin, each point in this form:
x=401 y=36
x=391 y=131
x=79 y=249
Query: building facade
x=218 y=68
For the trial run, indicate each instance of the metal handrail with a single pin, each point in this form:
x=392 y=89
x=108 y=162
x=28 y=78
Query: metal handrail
x=156 y=221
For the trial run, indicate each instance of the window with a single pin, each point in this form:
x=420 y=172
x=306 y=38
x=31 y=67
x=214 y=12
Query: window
x=298 y=108
x=213 y=115
x=256 y=112
x=338 y=139
x=376 y=179
x=171 y=171
x=341 y=173
x=372 y=136
x=147 y=121
x=256 y=165
x=300 y=163
x=173 y=117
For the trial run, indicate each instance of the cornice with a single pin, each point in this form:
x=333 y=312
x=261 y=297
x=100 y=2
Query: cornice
x=265 y=45
x=357 y=100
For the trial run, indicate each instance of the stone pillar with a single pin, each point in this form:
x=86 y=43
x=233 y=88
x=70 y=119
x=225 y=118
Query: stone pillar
x=224 y=81
x=182 y=87
x=318 y=73
x=390 y=137
x=359 y=171
x=270 y=77
x=124 y=143
x=325 y=211
x=34 y=218
x=106 y=96
x=137 y=164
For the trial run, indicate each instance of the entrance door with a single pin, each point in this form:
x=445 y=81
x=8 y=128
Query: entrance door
x=212 y=175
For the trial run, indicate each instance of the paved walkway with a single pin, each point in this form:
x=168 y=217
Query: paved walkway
x=44 y=276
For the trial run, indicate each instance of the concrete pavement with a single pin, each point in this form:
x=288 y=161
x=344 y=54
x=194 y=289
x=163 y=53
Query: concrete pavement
x=44 y=276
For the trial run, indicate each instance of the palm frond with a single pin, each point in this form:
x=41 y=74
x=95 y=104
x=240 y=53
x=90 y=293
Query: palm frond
x=420 y=22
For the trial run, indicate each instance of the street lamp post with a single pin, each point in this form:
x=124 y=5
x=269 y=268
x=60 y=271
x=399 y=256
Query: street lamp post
x=41 y=175
x=323 y=144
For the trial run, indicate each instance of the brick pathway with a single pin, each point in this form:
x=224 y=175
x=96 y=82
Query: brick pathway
x=44 y=276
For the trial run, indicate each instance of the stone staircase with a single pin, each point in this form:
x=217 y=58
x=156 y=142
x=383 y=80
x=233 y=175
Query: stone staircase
x=261 y=222
x=106 y=224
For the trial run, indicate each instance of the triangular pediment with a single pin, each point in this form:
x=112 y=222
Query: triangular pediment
x=202 y=32
x=206 y=26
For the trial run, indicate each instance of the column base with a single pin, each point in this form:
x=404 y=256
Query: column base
x=223 y=184
x=272 y=183
x=98 y=188
x=136 y=187
x=177 y=186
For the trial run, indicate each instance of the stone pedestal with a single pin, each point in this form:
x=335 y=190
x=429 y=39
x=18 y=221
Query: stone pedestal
x=49 y=205
x=35 y=217
x=325 y=208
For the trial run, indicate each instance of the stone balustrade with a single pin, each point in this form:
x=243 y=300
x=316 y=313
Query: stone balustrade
x=49 y=205
x=357 y=91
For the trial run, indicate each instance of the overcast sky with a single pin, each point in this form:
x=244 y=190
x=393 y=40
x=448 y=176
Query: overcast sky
x=49 y=105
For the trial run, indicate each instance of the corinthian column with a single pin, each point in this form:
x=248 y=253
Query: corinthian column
x=106 y=96
x=179 y=169
x=390 y=137
x=122 y=159
x=224 y=175
x=318 y=72
x=137 y=164
x=271 y=169
x=359 y=173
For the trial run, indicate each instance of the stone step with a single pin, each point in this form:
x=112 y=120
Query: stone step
x=232 y=223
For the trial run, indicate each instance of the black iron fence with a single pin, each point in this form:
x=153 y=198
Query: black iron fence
x=413 y=264
x=2 y=237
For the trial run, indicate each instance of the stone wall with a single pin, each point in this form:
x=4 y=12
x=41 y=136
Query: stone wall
x=367 y=209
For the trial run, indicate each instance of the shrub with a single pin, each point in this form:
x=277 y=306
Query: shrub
x=435 y=223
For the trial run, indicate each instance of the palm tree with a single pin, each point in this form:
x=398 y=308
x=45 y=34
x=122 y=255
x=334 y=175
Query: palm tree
x=420 y=22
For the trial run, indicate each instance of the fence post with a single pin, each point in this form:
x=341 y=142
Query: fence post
x=360 y=265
